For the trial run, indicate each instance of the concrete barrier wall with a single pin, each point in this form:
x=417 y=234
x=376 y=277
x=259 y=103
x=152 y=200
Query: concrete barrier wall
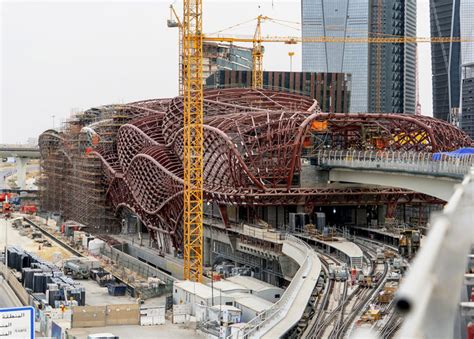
x=88 y=316
x=15 y=285
x=136 y=265
x=100 y=316
x=18 y=289
x=127 y=314
x=151 y=256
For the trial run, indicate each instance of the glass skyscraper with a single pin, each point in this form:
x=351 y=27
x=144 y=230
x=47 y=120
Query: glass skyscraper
x=466 y=14
x=359 y=19
x=452 y=62
x=445 y=58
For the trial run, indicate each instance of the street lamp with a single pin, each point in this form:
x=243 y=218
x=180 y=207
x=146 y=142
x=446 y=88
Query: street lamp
x=291 y=54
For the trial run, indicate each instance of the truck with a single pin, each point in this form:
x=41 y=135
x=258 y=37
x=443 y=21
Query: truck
x=28 y=209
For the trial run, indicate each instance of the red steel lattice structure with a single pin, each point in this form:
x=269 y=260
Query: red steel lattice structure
x=253 y=141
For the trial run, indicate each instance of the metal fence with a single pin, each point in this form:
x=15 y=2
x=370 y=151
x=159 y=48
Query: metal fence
x=416 y=162
x=279 y=310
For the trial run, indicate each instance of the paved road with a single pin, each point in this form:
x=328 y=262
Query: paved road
x=7 y=172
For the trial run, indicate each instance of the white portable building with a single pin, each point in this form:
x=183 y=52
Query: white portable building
x=188 y=292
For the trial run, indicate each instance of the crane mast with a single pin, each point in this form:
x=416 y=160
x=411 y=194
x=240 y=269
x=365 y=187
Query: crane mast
x=192 y=139
x=257 y=55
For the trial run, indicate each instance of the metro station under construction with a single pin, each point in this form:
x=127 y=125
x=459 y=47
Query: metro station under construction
x=110 y=162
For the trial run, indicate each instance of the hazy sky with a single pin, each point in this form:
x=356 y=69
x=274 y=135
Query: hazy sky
x=58 y=57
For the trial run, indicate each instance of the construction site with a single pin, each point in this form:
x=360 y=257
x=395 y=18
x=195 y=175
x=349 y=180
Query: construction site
x=253 y=204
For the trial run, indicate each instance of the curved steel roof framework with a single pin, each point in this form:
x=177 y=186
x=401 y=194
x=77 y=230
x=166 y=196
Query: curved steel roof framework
x=253 y=141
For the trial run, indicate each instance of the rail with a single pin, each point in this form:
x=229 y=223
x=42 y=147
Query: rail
x=259 y=325
x=430 y=294
x=414 y=162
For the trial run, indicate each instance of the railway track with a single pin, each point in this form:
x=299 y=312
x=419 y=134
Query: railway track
x=324 y=304
x=337 y=316
x=323 y=324
x=362 y=304
x=391 y=326
x=350 y=305
x=364 y=295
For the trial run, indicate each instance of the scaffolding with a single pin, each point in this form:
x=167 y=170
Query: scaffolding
x=72 y=182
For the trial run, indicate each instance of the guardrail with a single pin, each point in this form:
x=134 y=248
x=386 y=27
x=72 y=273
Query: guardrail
x=279 y=310
x=401 y=161
x=430 y=294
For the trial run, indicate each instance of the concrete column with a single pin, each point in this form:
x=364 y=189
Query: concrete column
x=207 y=251
x=382 y=210
x=280 y=216
x=361 y=217
x=21 y=172
x=272 y=216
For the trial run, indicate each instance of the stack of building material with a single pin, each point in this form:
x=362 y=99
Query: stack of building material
x=44 y=280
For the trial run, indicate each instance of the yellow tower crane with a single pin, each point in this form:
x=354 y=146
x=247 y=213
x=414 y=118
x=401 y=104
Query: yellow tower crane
x=258 y=71
x=257 y=55
x=193 y=136
x=192 y=56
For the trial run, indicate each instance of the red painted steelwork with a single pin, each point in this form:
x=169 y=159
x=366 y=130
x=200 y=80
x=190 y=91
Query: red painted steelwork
x=253 y=145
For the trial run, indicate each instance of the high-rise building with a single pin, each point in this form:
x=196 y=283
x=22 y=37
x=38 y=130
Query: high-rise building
x=383 y=76
x=331 y=90
x=445 y=58
x=466 y=22
x=217 y=56
x=466 y=15
x=467 y=100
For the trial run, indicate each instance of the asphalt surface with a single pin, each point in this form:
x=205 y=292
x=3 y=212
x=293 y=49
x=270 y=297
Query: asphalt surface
x=4 y=174
x=7 y=172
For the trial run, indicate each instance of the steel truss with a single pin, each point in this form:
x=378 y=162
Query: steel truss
x=254 y=141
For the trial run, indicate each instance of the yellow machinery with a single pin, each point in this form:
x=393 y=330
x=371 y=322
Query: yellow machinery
x=193 y=139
